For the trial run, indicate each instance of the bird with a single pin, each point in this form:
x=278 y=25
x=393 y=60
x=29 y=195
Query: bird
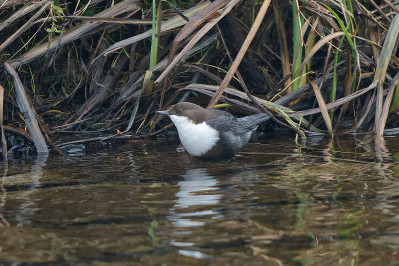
x=212 y=134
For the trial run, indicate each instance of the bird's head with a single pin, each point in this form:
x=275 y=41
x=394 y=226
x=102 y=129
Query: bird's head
x=191 y=111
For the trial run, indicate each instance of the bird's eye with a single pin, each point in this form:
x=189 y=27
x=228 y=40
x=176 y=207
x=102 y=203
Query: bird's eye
x=179 y=110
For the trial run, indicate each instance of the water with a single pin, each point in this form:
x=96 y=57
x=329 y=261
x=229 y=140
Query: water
x=277 y=203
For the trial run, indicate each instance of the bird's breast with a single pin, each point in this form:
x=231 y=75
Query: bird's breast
x=197 y=139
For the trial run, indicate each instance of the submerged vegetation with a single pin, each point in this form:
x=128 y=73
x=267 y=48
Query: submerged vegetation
x=107 y=66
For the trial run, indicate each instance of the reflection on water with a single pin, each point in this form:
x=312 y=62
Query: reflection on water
x=26 y=207
x=320 y=202
x=196 y=199
x=194 y=191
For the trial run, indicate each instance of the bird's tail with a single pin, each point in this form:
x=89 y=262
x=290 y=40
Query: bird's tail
x=253 y=121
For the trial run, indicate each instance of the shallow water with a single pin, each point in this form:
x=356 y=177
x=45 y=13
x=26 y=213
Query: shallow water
x=276 y=203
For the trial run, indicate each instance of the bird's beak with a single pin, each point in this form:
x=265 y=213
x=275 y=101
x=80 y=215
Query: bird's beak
x=162 y=112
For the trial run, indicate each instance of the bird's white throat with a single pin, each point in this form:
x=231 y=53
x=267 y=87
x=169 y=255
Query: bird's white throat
x=197 y=139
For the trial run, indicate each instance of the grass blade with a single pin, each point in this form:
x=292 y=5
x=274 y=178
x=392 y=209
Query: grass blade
x=345 y=29
x=156 y=27
x=395 y=101
x=27 y=110
x=297 y=21
x=322 y=106
x=282 y=38
x=3 y=139
x=381 y=70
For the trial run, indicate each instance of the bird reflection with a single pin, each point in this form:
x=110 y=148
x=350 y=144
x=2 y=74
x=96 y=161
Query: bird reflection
x=194 y=205
x=192 y=196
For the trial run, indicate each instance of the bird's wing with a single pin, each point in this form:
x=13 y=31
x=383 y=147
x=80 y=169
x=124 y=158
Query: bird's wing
x=220 y=120
x=226 y=121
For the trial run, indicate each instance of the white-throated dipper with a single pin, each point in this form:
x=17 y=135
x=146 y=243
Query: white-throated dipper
x=210 y=133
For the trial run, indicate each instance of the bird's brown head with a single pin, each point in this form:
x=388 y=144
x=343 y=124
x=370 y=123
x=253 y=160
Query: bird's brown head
x=193 y=112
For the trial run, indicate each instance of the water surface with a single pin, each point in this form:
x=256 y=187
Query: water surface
x=276 y=203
